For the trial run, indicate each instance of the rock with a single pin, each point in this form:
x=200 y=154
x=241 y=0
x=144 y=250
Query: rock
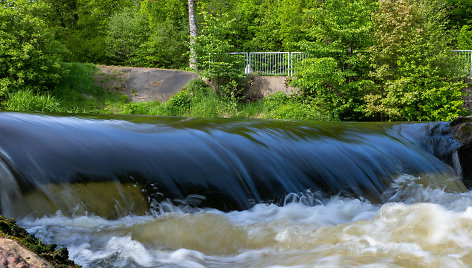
x=20 y=249
x=461 y=129
x=12 y=254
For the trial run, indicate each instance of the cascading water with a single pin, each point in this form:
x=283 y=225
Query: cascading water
x=178 y=192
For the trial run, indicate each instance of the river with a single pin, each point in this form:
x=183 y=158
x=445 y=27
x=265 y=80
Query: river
x=124 y=191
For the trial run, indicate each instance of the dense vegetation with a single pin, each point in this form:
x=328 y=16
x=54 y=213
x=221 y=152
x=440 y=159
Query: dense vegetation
x=77 y=92
x=369 y=59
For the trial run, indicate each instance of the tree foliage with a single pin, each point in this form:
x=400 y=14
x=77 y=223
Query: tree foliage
x=167 y=43
x=414 y=67
x=213 y=50
x=335 y=74
x=126 y=32
x=28 y=52
x=368 y=59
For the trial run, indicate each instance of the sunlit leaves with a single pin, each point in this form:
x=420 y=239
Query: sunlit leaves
x=413 y=64
x=28 y=54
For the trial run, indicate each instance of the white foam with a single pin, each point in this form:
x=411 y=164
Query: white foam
x=431 y=228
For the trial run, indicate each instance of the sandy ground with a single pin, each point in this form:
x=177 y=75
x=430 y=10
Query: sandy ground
x=143 y=84
x=13 y=255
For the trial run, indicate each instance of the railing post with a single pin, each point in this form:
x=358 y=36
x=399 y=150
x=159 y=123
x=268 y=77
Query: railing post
x=470 y=54
x=290 y=64
x=248 y=59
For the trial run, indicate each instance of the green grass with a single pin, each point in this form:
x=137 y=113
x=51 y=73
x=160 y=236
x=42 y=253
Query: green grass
x=75 y=93
x=27 y=100
x=78 y=93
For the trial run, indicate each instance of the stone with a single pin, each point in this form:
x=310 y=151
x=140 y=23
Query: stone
x=12 y=254
x=461 y=129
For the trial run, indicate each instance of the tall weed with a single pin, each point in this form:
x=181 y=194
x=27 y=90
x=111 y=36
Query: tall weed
x=27 y=100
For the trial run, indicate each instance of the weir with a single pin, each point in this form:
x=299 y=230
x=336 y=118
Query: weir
x=113 y=166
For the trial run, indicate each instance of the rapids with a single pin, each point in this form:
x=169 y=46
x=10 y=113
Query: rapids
x=179 y=192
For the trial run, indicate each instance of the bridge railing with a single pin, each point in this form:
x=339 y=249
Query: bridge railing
x=465 y=58
x=269 y=63
x=285 y=63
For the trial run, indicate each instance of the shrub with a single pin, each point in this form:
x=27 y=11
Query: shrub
x=281 y=106
x=214 y=59
x=418 y=76
x=29 y=55
x=179 y=104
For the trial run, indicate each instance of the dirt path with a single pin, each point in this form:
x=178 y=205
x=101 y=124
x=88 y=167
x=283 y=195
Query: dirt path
x=143 y=84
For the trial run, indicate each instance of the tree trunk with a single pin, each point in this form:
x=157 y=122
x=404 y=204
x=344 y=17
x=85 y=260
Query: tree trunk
x=193 y=34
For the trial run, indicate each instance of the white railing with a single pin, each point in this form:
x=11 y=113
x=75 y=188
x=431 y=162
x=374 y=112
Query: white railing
x=465 y=57
x=269 y=63
x=284 y=63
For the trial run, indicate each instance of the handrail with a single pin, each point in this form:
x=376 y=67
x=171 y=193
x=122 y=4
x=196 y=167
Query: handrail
x=283 y=63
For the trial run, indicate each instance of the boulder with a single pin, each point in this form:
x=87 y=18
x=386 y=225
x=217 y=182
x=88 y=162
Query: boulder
x=461 y=129
x=20 y=249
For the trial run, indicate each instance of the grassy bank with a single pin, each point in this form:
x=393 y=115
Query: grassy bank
x=78 y=93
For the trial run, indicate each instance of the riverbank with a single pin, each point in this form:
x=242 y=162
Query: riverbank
x=20 y=249
x=85 y=89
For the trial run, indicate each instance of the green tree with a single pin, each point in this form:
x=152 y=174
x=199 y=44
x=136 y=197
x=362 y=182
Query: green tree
x=167 y=44
x=464 y=39
x=416 y=72
x=213 y=47
x=29 y=55
x=81 y=26
x=459 y=13
x=335 y=74
x=126 y=32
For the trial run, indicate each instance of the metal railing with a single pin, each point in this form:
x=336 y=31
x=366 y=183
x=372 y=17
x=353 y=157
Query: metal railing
x=465 y=58
x=285 y=63
x=269 y=63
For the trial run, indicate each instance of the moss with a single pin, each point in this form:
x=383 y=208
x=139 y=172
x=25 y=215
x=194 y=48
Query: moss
x=49 y=252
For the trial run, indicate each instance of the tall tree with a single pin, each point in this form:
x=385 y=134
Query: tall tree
x=29 y=55
x=412 y=63
x=193 y=34
x=335 y=75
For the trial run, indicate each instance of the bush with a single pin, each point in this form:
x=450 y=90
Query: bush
x=281 y=106
x=29 y=55
x=179 y=104
x=206 y=102
x=326 y=87
x=418 y=75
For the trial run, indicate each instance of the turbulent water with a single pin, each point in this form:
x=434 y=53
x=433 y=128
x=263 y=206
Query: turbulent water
x=172 y=192
x=432 y=228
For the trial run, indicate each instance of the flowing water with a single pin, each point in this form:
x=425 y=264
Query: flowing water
x=179 y=192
